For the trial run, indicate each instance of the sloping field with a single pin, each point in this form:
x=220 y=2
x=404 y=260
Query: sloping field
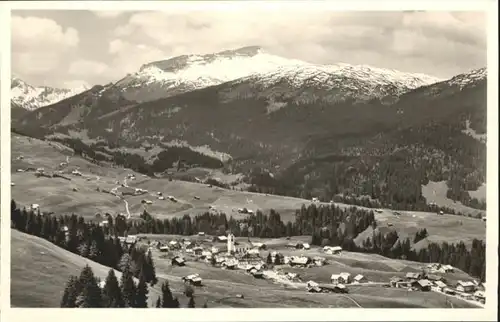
x=40 y=270
x=80 y=195
x=441 y=228
x=435 y=192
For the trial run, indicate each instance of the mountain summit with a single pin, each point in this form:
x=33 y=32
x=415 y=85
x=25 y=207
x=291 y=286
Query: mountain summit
x=185 y=73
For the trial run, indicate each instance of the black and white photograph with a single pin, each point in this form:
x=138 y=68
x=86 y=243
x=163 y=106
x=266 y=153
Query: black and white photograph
x=253 y=157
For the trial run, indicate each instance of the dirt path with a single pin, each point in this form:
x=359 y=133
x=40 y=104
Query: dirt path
x=352 y=300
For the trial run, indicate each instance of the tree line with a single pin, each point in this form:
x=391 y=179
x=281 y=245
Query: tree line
x=86 y=239
x=86 y=291
x=169 y=157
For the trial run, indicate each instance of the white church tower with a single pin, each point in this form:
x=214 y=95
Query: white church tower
x=230 y=244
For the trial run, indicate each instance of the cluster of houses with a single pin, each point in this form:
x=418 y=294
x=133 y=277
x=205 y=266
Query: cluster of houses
x=139 y=191
x=231 y=258
x=128 y=240
x=346 y=278
x=314 y=287
x=162 y=197
x=250 y=262
x=439 y=268
x=420 y=281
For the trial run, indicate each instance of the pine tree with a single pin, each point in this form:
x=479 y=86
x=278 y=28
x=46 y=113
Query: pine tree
x=128 y=287
x=151 y=277
x=112 y=293
x=124 y=262
x=93 y=250
x=167 y=297
x=141 y=299
x=277 y=260
x=70 y=293
x=91 y=293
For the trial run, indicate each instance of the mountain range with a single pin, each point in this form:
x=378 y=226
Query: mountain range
x=30 y=97
x=317 y=129
x=186 y=73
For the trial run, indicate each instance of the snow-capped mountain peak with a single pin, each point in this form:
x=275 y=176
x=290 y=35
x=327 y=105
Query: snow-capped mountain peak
x=309 y=83
x=31 y=97
x=189 y=72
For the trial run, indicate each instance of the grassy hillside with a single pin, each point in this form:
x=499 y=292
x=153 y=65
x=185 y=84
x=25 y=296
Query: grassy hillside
x=435 y=192
x=40 y=270
x=58 y=195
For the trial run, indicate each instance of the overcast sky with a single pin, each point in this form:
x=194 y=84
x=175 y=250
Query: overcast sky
x=70 y=48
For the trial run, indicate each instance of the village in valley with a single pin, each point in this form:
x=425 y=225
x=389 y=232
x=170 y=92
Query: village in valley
x=297 y=174
x=226 y=253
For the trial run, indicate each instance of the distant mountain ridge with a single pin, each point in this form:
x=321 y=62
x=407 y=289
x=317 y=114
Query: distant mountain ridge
x=30 y=97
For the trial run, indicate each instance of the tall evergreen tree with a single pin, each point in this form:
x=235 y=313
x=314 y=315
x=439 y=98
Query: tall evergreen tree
x=91 y=293
x=70 y=293
x=150 y=269
x=141 y=299
x=128 y=287
x=112 y=293
x=168 y=300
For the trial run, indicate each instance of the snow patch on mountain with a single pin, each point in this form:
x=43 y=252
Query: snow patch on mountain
x=191 y=72
x=309 y=83
x=334 y=76
x=273 y=106
x=472 y=133
x=32 y=98
x=469 y=78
